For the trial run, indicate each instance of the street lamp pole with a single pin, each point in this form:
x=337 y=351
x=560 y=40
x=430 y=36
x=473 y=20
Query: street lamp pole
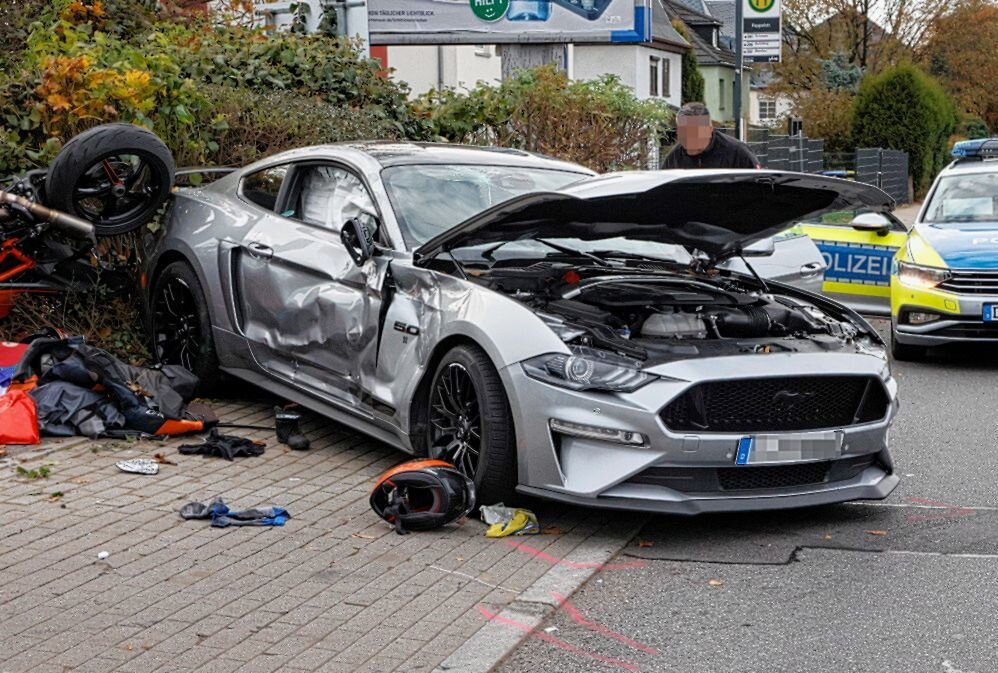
x=739 y=126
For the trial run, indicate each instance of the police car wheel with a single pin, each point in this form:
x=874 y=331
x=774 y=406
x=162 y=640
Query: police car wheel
x=905 y=352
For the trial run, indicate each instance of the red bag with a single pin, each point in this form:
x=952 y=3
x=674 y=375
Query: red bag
x=18 y=419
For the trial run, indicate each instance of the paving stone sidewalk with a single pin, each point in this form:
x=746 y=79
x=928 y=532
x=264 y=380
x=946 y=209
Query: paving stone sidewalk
x=333 y=590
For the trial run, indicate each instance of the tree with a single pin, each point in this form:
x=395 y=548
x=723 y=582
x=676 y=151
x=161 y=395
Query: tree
x=905 y=109
x=960 y=52
x=693 y=83
x=869 y=34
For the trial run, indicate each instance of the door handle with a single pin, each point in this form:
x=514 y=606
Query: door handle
x=260 y=251
x=811 y=269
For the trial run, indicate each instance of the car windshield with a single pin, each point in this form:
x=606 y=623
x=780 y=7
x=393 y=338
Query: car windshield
x=964 y=198
x=429 y=199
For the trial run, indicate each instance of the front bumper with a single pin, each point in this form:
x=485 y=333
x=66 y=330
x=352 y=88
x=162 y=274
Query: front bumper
x=961 y=319
x=651 y=477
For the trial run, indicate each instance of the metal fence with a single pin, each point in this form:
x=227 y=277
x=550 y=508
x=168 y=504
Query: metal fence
x=887 y=169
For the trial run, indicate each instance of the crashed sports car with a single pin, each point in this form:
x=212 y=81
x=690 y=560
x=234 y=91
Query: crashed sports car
x=546 y=332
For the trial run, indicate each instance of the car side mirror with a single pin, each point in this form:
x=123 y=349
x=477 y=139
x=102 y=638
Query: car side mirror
x=762 y=248
x=873 y=222
x=358 y=240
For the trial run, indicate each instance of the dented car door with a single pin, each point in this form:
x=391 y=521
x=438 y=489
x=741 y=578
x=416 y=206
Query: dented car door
x=309 y=312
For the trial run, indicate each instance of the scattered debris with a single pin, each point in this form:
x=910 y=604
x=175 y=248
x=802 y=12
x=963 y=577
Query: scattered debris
x=645 y=543
x=138 y=466
x=880 y=533
x=363 y=536
x=828 y=536
x=102 y=555
x=551 y=629
x=162 y=460
x=224 y=446
x=32 y=474
x=716 y=583
x=552 y=530
x=221 y=516
x=287 y=424
x=56 y=495
x=505 y=521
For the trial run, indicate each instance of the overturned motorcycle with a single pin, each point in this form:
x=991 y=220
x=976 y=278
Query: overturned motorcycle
x=105 y=182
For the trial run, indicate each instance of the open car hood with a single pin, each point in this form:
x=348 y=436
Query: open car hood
x=718 y=212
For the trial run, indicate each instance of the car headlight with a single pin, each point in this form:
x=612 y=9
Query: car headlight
x=916 y=275
x=588 y=369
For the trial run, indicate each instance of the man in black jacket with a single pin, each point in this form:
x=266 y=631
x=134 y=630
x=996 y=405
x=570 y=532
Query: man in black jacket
x=701 y=146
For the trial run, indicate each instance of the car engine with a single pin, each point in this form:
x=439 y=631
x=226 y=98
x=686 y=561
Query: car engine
x=667 y=315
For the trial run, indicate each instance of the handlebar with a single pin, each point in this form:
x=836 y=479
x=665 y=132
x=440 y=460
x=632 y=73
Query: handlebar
x=71 y=225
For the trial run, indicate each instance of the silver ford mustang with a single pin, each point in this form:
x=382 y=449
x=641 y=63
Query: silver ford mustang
x=547 y=332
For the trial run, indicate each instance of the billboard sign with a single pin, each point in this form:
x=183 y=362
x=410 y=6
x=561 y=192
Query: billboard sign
x=508 y=21
x=761 y=34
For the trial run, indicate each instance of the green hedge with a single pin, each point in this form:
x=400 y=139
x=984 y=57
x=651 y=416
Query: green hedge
x=903 y=108
x=203 y=88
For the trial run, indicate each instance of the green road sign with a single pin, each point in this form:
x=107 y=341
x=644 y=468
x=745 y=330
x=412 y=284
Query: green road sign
x=761 y=5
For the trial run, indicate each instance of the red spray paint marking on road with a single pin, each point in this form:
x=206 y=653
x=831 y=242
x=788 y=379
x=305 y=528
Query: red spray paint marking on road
x=556 y=642
x=544 y=556
x=950 y=511
x=577 y=617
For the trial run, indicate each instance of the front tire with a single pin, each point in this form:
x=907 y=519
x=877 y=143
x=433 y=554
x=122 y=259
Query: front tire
x=905 y=352
x=115 y=176
x=181 y=326
x=469 y=424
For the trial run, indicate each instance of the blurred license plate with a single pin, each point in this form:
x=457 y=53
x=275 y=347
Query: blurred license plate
x=990 y=312
x=763 y=449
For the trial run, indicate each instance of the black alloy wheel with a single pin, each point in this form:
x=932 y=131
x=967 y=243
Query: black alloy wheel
x=116 y=189
x=115 y=176
x=456 y=419
x=469 y=424
x=180 y=326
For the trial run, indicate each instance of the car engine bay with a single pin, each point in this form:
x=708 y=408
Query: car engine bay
x=660 y=315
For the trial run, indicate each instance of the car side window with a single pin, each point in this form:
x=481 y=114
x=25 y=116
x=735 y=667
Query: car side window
x=264 y=186
x=328 y=196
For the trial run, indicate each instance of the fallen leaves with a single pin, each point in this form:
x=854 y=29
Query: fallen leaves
x=879 y=533
x=162 y=460
x=552 y=530
x=364 y=536
x=645 y=543
x=715 y=583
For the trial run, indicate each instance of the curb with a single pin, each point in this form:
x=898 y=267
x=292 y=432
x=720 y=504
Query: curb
x=492 y=643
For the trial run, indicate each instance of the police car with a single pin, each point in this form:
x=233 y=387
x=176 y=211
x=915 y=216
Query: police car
x=944 y=285
x=858 y=250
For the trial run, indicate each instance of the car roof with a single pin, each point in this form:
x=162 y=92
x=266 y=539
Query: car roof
x=971 y=166
x=398 y=153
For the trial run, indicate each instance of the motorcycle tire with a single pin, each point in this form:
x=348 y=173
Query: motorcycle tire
x=115 y=176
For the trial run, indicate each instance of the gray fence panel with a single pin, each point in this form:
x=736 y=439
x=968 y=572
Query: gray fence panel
x=887 y=169
x=815 y=155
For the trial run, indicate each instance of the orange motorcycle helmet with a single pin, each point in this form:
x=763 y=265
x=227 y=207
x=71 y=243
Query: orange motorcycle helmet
x=422 y=495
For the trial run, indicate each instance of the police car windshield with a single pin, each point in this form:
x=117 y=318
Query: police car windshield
x=971 y=197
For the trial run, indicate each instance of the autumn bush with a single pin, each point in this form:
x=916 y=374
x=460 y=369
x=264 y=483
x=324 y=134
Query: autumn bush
x=86 y=62
x=903 y=108
x=597 y=123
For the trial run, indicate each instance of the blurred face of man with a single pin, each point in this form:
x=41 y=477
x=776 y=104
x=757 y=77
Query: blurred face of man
x=694 y=133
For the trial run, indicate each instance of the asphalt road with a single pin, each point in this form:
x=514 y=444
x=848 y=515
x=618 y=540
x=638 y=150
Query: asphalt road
x=909 y=585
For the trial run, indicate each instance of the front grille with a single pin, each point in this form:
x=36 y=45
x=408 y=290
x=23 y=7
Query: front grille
x=772 y=476
x=972 y=282
x=777 y=404
x=969 y=330
x=753 y=478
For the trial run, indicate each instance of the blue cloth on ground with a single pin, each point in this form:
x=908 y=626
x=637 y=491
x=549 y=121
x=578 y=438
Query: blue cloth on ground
x=222 y=517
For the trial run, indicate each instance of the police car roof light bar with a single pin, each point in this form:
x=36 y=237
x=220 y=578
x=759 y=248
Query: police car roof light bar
x=976 y=150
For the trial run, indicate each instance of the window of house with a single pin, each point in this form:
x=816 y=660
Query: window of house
x=767 y=109
x=653 y=76
x=666 y=89
x=720 y=94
